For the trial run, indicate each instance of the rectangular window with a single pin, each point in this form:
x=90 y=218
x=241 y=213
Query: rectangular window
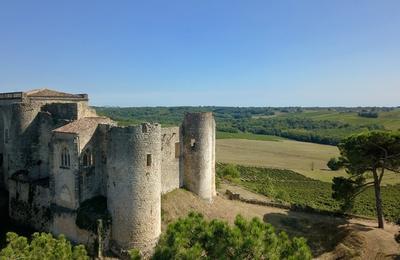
x=177 y=150
x=148 y=159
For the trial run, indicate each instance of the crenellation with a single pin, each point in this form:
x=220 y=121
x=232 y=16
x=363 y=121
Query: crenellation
x=56 y=154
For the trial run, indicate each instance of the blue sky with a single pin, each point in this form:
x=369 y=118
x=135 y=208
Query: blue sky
x=205 y=52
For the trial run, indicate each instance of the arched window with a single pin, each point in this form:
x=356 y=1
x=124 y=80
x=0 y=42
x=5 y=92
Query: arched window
x=65 y=158
x=87 y=158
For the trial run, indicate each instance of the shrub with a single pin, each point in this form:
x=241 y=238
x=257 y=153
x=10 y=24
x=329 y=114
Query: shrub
x=231 y=171
x=42 y=246
x=134 y=254
x=195 y=238
x=334 y=164
x=368 y=114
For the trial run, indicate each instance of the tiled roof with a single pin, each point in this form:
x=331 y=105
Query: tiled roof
x=44 y=92
x=82 y=124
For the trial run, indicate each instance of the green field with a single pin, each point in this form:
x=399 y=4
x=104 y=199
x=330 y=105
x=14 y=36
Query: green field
x=247 y=136
x=389 y=119
x=296 y=189
x=308 y=159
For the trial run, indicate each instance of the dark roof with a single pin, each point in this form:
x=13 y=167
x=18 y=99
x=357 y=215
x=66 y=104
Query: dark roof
x=83 y=124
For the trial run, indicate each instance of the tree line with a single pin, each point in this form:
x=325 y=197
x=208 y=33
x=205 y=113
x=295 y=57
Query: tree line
x=256 y=120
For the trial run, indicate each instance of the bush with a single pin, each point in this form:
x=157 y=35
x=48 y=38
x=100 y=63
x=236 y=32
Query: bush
x=334 y=164
x=368 y=114
x=231 y=171
x=134 y=254
x=42 y=246
x=195 y=238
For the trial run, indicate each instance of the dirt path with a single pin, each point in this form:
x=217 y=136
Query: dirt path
x=328 y=237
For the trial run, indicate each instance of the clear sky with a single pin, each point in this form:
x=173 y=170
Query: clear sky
x=205 y=52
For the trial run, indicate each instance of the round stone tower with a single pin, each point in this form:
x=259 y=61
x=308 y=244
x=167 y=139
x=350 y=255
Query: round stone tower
x=134 y=186
x=198 y=143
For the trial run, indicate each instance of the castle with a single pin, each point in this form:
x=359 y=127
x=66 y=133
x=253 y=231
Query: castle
x=64 y=167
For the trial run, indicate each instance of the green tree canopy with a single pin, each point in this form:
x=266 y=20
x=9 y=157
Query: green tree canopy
x=43 y=246
x=362 y=154
x=195 y=238
x=334 y=164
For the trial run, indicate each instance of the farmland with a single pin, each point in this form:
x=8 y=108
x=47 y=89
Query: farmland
x=296 y=189
x=306 y=158
x=390 y=120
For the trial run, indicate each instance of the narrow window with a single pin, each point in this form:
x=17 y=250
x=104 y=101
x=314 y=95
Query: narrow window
x=87 y=158
x=192 y=143
x=148 y=159
x=177 y=150
x=65 y=158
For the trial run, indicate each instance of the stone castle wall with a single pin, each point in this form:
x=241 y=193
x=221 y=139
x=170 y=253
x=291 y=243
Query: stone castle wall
x=64 y=180
x=131 y=167
x=171 y=158
x=30 y=203
x=28 y=125
x=134 y=172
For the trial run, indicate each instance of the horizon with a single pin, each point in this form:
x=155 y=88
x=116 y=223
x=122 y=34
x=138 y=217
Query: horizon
x=186 y=53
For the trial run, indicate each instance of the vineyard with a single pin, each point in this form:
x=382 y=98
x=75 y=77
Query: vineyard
x=296 y=189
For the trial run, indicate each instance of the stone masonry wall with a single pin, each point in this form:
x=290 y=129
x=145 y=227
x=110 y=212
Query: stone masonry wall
x=29 y=204
x=134 y=186
x=64 y=180
x=170 y=150
x=198 y=132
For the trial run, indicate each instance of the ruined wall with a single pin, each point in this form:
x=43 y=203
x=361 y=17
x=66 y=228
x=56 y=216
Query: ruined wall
x=134 y=185
x=64 y=223
x=92 y=144
x=16 y=146
x=198 y=143
x=29 y=133
x=29 y=204
x=68 y=111
x=100 y=156
x=85 y=111
x=170 y=151
x=5 y=145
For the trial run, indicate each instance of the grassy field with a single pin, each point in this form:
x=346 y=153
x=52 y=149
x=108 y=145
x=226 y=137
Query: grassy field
x=306 y=158
x=390 y=119
x=247 y=136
